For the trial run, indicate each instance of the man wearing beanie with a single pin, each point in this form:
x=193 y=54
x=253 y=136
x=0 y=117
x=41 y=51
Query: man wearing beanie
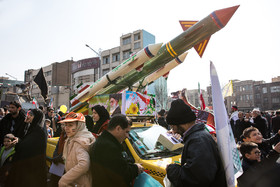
x=201 y=165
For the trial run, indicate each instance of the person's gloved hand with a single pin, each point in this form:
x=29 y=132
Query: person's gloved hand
x=57 y=159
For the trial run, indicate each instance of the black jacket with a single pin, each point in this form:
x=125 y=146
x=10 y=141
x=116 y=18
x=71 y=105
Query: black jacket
x=201 y=165
x=275 y=123
x=266 y=147
x=260 y=174
x=162 y=122
x=240 y=127
x=6 y=124
x=108 y=165
x=29 y=162
x=261 y=124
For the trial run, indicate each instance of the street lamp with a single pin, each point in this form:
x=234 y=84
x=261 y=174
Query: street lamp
x=99 y=68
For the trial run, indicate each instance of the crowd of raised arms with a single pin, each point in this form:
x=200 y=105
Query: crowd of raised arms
x=90 y=153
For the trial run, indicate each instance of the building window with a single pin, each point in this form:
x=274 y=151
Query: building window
x=251 y=97
x=264 y=89
x=137 y=45
x=106 y=59
x=116 y=57
x=258 y=96
x=84 y=79
x=265 y=100
x=258 y=87
x=274 y=89
x=126 y=54
x=248 y=87
x=136 y=36
x=48 y=73
x=127 y=40
x=275 y=100
x=105 y=71
x=237 y=88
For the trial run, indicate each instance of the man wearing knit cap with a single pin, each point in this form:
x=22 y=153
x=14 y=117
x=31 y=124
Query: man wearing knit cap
x=201 y=165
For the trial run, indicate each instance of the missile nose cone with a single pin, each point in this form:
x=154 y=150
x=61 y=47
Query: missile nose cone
x=224 y=15
x=154 y=48
x=183 y=56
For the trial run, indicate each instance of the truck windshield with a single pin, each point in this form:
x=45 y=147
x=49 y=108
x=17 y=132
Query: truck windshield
x=145 y=142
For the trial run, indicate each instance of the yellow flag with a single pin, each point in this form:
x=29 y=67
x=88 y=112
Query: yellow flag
x=227 y=89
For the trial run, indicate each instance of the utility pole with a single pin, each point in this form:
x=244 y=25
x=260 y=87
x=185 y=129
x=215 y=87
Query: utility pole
x=98 y=54
x=11 y=76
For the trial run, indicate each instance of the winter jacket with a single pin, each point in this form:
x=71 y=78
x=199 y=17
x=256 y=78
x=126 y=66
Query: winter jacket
x=260 y=174
x=201 y=165
x=162 y=122
x=266 y=147
x=240 y=126
x=77 y=162
x=261 y=124
x=19 y=127
x=6 y=167
x=29 y=167
x=108 y=165
x=275 y=123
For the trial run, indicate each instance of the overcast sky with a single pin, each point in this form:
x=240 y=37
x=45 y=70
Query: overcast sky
x=36 y=33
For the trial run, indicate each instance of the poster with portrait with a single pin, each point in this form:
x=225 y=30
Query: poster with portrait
x=112 y=102
x=138 y=104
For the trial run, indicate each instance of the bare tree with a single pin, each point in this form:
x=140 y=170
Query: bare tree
x=161 y=93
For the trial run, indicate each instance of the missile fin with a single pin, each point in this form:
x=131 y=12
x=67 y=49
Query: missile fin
x=200 y=47
x=187 y=24
x=166 y=75
x=140 y=68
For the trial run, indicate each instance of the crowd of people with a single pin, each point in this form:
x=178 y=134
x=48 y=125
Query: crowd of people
x=90 y=150
x=87 y=146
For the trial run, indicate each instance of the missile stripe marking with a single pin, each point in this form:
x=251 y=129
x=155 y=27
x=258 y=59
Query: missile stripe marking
x=216 y=20
x=169 y=50
x=178 y=60
x=203 y=46
x=187 y=24
x=172 y=49
x=199 y=47
x=148 y=52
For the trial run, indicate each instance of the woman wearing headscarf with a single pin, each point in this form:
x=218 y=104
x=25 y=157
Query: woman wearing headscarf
x=75 y=151
x=101 y=117
x=29 y=168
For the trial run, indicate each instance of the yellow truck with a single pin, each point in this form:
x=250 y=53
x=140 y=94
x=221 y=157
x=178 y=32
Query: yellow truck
x=143 y=147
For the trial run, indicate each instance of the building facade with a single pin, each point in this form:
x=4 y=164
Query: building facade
x=267 y=96
x=8 y=86
x=129 y=43
x=85 y=71
x=58 y=78
x=250 y=94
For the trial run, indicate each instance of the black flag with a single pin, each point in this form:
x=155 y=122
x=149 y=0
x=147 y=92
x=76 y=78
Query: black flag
x=42 y=84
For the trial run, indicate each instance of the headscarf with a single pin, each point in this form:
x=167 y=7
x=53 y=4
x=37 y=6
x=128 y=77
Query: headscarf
x=103 y=116
x=38 y=119
x=82 y=133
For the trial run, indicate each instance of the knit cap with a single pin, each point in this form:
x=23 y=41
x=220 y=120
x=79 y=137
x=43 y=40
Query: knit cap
x=180 y=113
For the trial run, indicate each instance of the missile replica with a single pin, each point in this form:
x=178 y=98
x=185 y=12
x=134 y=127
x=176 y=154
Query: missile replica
x=135 y=62
x=128 y=73
x=161 y=72
x=193 y=36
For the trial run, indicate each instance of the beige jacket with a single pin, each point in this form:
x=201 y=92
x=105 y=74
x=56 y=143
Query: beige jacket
x=77 y=161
